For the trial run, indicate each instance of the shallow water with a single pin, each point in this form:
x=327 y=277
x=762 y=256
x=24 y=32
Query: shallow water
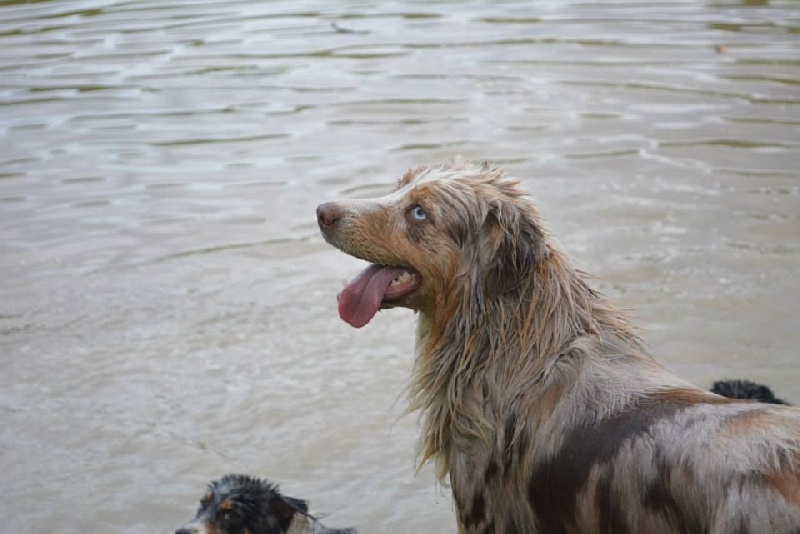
x=167 y=306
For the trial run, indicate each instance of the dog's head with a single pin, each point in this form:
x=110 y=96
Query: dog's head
x=239 y=504
x=443 y=229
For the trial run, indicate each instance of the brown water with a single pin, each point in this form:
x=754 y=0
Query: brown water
x=167 y=306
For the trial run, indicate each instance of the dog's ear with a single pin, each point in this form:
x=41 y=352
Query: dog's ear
x=286 y=507
x=512 y=244
x=299 y=505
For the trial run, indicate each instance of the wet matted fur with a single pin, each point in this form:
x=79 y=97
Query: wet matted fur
x=241 y=504
x=537 y=396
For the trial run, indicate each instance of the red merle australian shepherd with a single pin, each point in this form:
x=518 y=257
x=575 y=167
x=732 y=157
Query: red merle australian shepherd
x=537 y=396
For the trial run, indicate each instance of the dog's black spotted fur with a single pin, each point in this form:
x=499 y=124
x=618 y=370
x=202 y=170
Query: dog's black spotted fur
x=240 y=504
x=745 y=389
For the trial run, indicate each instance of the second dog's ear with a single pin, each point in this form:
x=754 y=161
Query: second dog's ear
x=298 y=504
x=285 y=508
x=512 y=244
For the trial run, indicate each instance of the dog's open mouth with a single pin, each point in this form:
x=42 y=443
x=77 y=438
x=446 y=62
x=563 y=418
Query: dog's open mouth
x=377 y=286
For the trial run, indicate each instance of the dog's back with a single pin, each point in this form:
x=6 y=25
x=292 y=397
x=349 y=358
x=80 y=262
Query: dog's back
x=626 y=448
x=678 y=460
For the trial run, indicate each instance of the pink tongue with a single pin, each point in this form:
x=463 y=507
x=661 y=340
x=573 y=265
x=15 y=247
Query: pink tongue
x=361 y=299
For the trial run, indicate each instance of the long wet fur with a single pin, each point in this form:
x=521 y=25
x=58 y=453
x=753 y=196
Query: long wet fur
x=241 y=504
x=536 y=394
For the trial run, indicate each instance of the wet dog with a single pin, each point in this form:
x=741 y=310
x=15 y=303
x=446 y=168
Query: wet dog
x=745 y=389
x=537 y=396
x=239 y=504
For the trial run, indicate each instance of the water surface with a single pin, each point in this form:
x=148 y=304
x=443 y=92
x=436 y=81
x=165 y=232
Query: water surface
x=167 y=307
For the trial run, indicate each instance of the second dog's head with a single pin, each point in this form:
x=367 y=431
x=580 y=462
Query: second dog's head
x=747 y=390
x=458 y=225
x=239 y=504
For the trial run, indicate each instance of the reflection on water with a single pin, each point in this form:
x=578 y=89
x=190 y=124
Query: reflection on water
x=167 y=307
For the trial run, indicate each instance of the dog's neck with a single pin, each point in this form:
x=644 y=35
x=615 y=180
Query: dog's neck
x=469 y=341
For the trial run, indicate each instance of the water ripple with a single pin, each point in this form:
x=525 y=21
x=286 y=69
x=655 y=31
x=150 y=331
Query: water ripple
x=167 y=306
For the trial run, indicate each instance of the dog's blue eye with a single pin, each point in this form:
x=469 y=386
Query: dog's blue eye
x=418 y=213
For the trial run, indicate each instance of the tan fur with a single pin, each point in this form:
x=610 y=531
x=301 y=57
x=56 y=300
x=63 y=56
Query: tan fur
x=537 y=395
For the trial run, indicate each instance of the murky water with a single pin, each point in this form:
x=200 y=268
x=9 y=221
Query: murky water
x=167 y=307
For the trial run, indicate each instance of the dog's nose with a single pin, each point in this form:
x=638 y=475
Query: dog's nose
x=328 y=214
x=185 y=531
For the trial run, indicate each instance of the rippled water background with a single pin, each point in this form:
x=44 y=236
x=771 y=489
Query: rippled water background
x=166 y=304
